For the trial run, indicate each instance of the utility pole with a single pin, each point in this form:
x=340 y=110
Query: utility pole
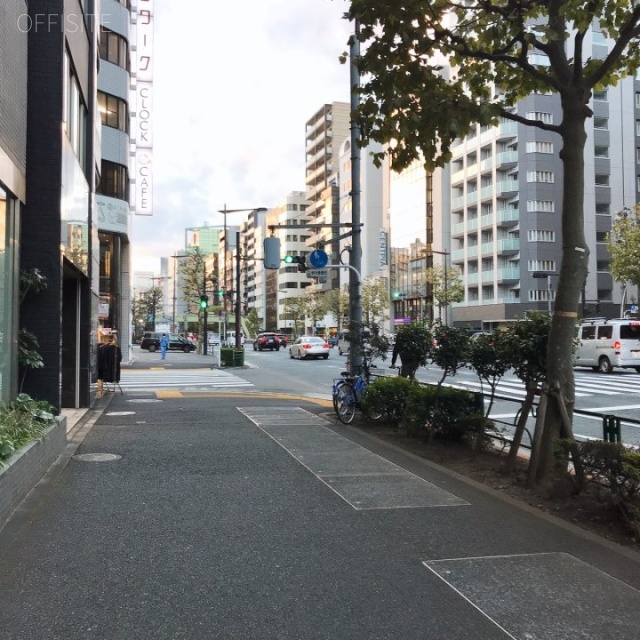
x=238 y=306
x=355 y=255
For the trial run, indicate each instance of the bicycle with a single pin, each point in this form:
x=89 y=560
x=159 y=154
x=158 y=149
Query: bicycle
x=349 y=393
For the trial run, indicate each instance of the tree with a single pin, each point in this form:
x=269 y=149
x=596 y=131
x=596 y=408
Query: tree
x=485 y=360
x=254 y=321
x=623 y=244
x=316 y=307
x=498 y=54
x=338 y=306
x=147 y=306
x=447 y=286
x=296 y=309
x=375 y=301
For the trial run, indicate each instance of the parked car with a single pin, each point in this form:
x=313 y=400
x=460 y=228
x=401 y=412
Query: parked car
x=309 y=347
x=266 y=341
x=151 y=342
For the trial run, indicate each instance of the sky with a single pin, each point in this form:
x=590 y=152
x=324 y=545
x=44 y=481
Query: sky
x=234 y=84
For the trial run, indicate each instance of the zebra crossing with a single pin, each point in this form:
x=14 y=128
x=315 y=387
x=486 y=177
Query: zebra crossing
x=156 y=379
x=586 y=385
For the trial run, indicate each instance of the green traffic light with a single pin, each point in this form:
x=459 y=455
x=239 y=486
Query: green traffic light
x=288 y=259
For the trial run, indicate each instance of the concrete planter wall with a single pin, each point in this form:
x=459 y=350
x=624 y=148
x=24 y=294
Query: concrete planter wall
x=26 y=467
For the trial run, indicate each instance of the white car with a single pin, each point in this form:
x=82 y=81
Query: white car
x=309 y=347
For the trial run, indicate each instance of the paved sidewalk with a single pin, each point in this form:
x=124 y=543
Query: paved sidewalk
x=250 y=517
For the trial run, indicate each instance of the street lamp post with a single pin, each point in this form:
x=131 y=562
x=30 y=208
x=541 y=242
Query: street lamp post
x=225 y=212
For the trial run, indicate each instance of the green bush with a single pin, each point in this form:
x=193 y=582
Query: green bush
x=616 y=470
x=450 y=414
x=231 y=357
x=22 y=420
x=388 y=397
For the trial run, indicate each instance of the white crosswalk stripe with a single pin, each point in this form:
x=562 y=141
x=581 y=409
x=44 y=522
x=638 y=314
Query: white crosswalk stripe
x=167 y=378
x=585 y=386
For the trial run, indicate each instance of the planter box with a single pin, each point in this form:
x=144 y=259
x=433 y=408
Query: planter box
x=26 y=467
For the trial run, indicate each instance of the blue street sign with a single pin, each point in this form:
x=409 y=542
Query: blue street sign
x=318 y=258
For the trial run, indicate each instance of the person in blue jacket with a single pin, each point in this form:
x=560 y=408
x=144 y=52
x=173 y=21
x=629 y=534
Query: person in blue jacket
x=164 y=345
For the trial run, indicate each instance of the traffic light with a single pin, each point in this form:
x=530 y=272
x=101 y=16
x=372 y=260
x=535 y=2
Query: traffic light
x=272 y=253
x=204 y=301
x=301 y=261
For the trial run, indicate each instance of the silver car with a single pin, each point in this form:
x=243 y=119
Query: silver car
x=309 y=347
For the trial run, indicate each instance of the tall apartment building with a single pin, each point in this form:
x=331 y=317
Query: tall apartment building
x=14 y=37
x=497 y=210
x=506 y=207
x=113 y=190
x=325 y=132
x=287 y=282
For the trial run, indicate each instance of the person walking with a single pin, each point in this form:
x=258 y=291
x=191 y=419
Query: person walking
x=164 y=345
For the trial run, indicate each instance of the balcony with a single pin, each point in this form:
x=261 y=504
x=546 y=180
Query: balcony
x=509 y=274
x=508 y=130
x=507 y=158
x=471 y=278
x=508 y=217
x=488 y=276
x=509 y=245
x=488 y=248
x=507 y=188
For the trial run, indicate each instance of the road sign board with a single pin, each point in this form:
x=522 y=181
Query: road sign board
x=318 y=273
x=318 y=258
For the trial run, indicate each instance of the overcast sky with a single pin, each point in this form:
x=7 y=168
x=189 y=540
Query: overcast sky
x=234 y=84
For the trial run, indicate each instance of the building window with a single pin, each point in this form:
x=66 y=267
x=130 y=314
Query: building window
x=603 y=209
x=537 y=235
x=600 y=95
x=601 y=123
x=601 y=152
x=114 y=48
x=542 y=265
x=114 y=180
x=539 y=146
x=540 y=176
x=602 y=180
x=114 y=111
x=547 y=118
x=603 y=266
x=544 y=206
x=76 y=114
x=601 y=236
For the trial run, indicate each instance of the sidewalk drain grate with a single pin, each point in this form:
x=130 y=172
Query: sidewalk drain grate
x=97 y=457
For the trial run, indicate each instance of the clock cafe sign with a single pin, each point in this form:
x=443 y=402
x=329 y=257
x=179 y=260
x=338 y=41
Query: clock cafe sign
x=144 y=109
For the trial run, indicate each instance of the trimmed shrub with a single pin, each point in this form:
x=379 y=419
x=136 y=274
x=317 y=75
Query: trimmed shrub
x=388 y=397
x=231 y=357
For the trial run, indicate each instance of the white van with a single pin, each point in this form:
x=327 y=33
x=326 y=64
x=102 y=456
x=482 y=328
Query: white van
x=606 y=344
x=231 y=338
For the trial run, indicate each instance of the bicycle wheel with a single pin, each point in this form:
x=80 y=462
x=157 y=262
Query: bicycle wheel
x=336 y=390
x=345 y=404
x=369 y=413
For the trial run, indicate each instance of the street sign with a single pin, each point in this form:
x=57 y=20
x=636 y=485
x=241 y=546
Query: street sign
x=318 y=273
x=318 y=258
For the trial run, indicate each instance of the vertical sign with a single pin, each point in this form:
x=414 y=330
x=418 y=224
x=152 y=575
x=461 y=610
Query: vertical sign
x=144 y=109
x=382 y=249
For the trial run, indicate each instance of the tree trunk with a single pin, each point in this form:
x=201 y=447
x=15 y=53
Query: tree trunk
x=573 y=273
x=520 y=427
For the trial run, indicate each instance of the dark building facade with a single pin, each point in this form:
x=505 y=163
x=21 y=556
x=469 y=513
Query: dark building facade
x=58 y=232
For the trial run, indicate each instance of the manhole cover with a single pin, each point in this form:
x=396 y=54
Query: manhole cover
x=97 y=457
x=145 y=400
x=120 y=413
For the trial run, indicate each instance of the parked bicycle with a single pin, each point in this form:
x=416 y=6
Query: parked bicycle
x=349 y=393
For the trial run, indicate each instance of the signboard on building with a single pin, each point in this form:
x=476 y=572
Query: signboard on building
x=144 y=109
x=382 y=249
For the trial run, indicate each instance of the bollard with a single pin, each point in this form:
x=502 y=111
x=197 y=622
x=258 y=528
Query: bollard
x=611 y=429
